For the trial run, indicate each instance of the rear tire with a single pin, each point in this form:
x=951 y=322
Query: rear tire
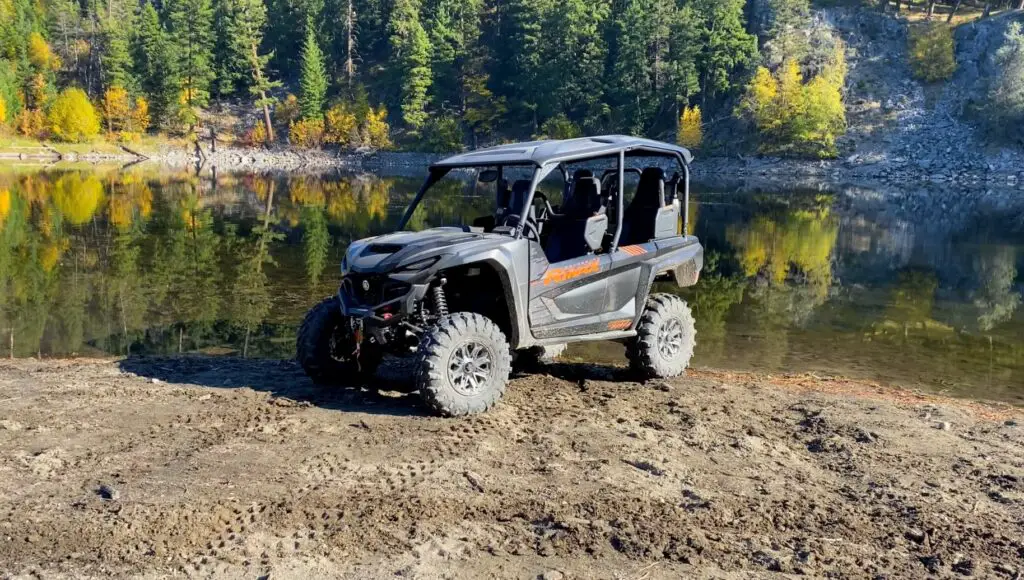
x=665 y=338
x=463 y=365
x=326 y=347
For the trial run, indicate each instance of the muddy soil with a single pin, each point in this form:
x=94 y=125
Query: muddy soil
x=224 y=468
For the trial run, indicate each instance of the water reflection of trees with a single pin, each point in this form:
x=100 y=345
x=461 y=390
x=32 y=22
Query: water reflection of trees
x=131 y=261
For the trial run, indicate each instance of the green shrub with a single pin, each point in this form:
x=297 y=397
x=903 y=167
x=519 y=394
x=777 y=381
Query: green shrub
x=442 y=135
x=559 y=127
x=932 y=52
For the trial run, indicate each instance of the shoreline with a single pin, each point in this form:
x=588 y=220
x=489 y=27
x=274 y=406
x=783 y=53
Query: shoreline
x=853 y=171
x=240 y=467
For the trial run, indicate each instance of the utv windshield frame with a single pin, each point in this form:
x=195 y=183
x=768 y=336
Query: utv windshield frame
x=547 y=156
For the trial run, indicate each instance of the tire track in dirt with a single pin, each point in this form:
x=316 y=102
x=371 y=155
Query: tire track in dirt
x=230 y=468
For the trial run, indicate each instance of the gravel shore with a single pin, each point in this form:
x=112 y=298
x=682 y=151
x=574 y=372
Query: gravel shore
x=212 y=467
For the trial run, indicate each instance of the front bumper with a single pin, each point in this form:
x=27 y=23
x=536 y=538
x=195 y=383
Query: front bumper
x=379 y=298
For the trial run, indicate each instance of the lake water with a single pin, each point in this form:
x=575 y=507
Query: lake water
x=922 y=293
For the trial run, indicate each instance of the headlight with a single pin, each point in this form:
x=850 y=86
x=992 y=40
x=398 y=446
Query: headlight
x=421 y=265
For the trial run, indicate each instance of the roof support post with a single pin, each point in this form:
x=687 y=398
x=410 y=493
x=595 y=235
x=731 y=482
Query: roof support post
x=686 y=196
x=619 y=203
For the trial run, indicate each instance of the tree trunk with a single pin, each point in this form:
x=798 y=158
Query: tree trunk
x=1020 y=5
x=12 y=343
x=266 y=119
x=952 y=13
x=987 y=11
x=350 y=68
x=931 y=10
x=257 y=75
x=898 y=3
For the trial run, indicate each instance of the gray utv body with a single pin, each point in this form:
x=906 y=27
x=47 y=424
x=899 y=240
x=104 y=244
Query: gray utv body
x=543 y=276
x=595 y=296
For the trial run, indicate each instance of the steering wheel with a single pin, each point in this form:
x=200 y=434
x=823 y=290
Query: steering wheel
x=531 y=228
x=546 y=211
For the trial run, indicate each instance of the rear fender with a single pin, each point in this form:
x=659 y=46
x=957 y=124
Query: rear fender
x=683 y=263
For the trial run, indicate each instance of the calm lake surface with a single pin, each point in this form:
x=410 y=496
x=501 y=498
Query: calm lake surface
x=923 y=292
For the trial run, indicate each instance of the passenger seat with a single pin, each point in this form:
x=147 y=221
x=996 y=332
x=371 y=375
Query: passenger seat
x=640 y=220
x=581 y=227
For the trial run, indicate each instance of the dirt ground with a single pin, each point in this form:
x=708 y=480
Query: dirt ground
x=224 y=468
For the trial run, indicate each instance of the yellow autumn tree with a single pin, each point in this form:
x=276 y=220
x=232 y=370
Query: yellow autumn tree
x=3 y=113
x=691 y=128
x=797 y=117
x=72 y=117
x=375 y=131
x=117 y=109
x=39 y=53
x=140 y=116
x=307 y=133
x=341 y=126
x=124 y=121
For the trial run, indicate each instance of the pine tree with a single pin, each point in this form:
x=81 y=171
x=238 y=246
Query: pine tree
x=453 y=28
x=726 y=47
x=1006 y=114
x=410 y=48
x=517 y=43
x=152 y=53
x=252 y=18
x=191 y=35
x=117 y=27
x=229 y=65
x=788 y=38
x=641 y=63
x=313 y=77
x=574 y=60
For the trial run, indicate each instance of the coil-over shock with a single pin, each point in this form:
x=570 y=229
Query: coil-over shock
x=440 y=300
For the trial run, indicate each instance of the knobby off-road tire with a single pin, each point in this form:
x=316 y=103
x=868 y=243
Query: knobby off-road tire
x=665 y=338
x=463 y=365
x=325 y=347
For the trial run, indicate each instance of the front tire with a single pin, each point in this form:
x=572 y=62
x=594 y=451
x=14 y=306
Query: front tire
x=326 y=347
x=665 y=338
x=463 y=365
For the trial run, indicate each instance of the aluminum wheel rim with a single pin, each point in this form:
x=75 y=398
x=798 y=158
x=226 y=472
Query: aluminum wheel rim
x=670 y=338
x=469 y=368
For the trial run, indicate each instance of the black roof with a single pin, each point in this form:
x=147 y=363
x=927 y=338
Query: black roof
x=542 y=152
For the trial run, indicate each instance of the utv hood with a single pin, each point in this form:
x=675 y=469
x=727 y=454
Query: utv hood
x=393 y=252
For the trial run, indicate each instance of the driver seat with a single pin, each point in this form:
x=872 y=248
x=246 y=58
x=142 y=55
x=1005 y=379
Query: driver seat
x=517 y=199
x=581 y=227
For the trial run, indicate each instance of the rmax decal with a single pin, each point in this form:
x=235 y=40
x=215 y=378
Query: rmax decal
x=565 y=273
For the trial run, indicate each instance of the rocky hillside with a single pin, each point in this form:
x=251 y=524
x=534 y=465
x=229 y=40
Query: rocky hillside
x=901 y=127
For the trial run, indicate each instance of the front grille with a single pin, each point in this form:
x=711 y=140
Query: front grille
x=380 y=289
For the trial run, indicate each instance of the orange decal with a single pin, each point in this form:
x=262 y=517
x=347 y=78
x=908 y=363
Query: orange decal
x=565 y=273
x=634 y=250
x=620 y=324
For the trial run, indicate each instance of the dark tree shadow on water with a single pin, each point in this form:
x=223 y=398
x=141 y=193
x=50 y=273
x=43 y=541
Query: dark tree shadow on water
x=387 y=395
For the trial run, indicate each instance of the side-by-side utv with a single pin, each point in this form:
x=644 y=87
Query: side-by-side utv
x=527 y=278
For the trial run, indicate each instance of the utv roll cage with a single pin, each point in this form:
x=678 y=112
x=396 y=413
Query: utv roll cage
x=546 y=156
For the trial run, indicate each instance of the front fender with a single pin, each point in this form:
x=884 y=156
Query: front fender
x=512 y=264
